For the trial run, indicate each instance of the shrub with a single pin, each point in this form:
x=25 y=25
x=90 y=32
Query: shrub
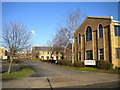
x=15 y=61
x=79 y=64
x=104 y=65
x=65 y=62
x=49 y=61
x=60 y=62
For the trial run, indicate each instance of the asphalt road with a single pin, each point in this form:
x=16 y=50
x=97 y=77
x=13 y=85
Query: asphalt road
x=47 y=74
x=4 y=67
x=101 y=85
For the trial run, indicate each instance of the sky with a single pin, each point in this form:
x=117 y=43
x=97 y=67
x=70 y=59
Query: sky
x=42 y=18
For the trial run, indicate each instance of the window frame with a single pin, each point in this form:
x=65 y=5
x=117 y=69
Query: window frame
x=117 y=34
x=42 y=57
x=100 y=54
x=79 y=38
x=117 y=57
x=99 y=35
x=88 y=56
x=88 y=34
x=47 y=57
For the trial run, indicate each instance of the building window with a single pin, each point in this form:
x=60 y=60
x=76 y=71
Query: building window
x=47 y=57
x=118 y=53
x=89 y=55
x=57 y=57
x=79 y=39
x=47 y=52
x=43 y=52
x=56 y=52
x=100 y=31
x=52 y=58
x=42 y=57
x=62 y=57
x=79 y=56
x=37 y=52
x=117 y=30
x=36 y=56
x=88 y=34
x=101 y=53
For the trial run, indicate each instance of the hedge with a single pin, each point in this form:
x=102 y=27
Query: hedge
x=79 y=64
x=65 y=62
x=101 y=64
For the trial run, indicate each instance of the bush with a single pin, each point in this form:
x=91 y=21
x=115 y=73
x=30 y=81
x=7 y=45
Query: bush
x=79 y=64
x=15 y=61
x=65 y=62
x=104 y=65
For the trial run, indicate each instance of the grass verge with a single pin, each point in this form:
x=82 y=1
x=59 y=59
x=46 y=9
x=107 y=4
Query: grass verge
x=35 y=59
x=19 y=74
x=93 y=69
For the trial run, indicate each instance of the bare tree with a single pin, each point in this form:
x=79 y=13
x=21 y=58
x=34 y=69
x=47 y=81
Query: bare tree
x=15 y=38
x=73 y=21
x=64 y=36
x=50 y=44
x=61 y=38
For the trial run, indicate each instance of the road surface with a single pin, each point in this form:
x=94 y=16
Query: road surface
x=49 y=75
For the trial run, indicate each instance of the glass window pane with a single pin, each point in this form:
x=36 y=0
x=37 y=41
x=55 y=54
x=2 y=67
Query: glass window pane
x=88 y=34
x=117 y=30
x=100 y=31
x=118 y=53
x=101 y=54
x=89 y=55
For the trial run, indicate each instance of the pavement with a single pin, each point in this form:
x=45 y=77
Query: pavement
x=52 y=76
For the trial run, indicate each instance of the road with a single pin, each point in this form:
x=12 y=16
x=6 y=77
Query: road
x=4 y=67
x=50 y=75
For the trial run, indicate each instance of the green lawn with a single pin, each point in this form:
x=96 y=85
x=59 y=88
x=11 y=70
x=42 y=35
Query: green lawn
x=35 y=59
x=19 y=74
x=93 y=69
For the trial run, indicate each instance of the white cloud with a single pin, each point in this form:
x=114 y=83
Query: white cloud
x=33 y=32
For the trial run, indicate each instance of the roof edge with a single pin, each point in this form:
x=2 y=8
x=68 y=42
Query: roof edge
x=101 y=17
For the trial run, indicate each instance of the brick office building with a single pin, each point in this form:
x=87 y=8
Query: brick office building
x=98 y=38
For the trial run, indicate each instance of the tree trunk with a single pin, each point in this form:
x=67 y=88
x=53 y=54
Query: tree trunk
x=11 y=60
x=73 y=53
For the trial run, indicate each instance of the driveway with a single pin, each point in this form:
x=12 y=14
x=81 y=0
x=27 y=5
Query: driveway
x=52 y=76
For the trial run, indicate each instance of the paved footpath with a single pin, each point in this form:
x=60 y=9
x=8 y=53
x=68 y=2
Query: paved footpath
x=55 y=77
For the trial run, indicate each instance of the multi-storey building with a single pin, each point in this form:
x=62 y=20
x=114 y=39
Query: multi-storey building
x=3 y=52
x=47 y=53
x=98 y=38
x=25 y=54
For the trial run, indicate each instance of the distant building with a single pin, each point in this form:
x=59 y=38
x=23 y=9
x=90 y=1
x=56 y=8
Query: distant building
x=47 y=53
x=3 y=52
x=25 y=54
x=98 y=38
